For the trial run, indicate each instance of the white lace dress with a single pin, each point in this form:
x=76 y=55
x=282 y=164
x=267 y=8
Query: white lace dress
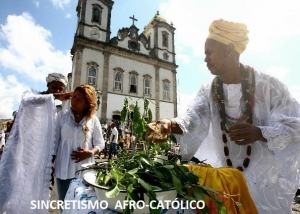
x=25 y=167
x=272 y=172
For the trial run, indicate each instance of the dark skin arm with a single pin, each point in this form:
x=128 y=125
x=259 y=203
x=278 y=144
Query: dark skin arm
x=63 y=96
x=241 y=134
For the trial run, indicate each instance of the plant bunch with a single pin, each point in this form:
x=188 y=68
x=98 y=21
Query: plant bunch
x=146 y=172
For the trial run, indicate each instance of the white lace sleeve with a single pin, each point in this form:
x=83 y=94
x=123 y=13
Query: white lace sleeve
x=32 y=97
x=195 y=123
x=98 y=140
x=283 y=119
x=57 y=132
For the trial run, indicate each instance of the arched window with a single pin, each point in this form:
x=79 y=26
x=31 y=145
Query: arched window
x=147 y=86
x=165 y=39
x=97 y=13
x=92 y=76
x=118 y=81
x=133 y=84
x=166 y=86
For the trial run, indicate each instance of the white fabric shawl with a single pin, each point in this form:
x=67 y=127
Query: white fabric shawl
x=25 y=167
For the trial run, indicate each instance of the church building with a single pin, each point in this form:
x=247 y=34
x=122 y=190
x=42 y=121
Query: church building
x=129 y=64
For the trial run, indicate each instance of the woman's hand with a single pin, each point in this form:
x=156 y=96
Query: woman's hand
x=245 y=133
x=81 y=154
x=158 y=131
x=63 y=96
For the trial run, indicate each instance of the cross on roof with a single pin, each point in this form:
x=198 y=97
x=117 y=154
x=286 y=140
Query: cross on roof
x=133 y=19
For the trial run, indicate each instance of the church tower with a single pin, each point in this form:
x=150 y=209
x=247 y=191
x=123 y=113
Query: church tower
x=130 y=64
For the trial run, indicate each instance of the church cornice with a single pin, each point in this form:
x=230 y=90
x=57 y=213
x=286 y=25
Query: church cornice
x=82 y=42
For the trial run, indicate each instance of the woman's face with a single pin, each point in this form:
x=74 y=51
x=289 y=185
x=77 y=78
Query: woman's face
x=215 y=57
x=78 y=102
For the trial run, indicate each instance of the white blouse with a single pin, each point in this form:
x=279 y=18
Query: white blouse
x=69 y=137
x=272 y=173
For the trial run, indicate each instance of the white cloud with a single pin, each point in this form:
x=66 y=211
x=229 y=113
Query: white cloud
x=267 y=20
x=68 y=16
x=36 y=3
x=60 y=3
x=184 y=58
x=25 y=48
x=279 y=72
x=28 y=50
x=183 y=101
x=10 y=95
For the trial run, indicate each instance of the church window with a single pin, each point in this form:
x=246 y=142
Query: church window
x=92 y=75
x=147 y=86
x=97 y=13
x=133 y=83
x=165 y=39
x=118 y=81
x=166 y=90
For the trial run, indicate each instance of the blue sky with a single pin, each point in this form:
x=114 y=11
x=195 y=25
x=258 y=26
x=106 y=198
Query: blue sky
x=36 y=37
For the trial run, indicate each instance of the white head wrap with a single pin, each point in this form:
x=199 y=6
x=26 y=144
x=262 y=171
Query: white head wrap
x=57 y=77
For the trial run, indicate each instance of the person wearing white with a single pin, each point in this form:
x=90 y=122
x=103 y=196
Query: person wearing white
x=133 y=146
x=245 y=119
x=113 y=139
x=26 y=167
x=78 y=137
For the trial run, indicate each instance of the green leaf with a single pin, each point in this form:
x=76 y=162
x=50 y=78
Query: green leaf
x=198 y=193
x=113 y=193
x=177 y=184
x=148 y=188
x=222 y=209
x=133 y=171
x=130 y=188
x=116 y=174
x=107 y=179
x=168 y=166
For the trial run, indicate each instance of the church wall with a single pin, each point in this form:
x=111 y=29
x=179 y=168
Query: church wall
x=88 y=57
x=167 y=110
x=130 y=65
x=89 y=12
x=160 y=38
x=166 y=74
x=151 y=33
x=95 y=26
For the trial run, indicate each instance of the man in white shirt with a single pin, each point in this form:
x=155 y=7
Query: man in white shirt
x=113 y=139
x=133 y=146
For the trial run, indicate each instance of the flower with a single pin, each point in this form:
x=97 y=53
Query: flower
x=85 y=129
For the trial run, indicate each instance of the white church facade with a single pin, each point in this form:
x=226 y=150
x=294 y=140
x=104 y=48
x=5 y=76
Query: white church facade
x=131 y=64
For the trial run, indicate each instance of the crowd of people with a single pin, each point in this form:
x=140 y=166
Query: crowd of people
x=248 y=119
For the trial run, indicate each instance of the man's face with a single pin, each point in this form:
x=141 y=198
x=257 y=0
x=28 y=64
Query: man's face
x=215 y=57
x=56 y=87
